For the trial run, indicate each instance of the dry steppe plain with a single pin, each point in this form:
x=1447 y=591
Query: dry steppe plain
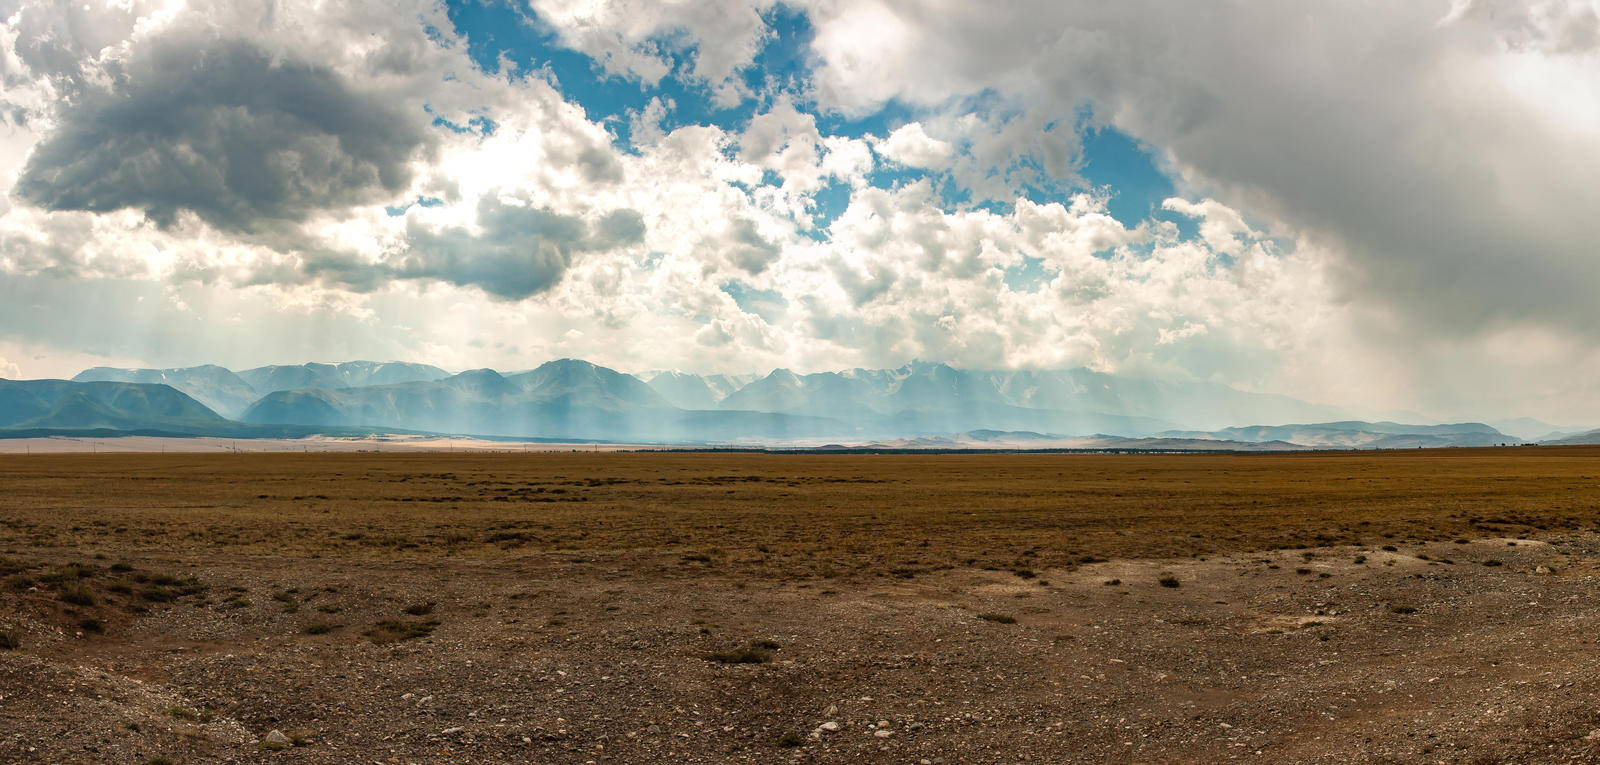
x=1420 y=606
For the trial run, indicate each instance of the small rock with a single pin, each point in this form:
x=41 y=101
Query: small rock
x=883 y=733
x=1543 y=570
x=1594 y=735
x=829 y=726
x=451 y=731
x=276 y=740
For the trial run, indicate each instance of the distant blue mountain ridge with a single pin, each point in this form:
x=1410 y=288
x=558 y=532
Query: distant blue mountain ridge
x=919 y=404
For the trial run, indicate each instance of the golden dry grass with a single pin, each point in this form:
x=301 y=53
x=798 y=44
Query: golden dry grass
x=795 y=515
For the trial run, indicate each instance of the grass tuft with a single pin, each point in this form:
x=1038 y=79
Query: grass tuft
x=396 y=630
x=756 y=652
x=76 y=593
x=182 y=713
x=745 y=655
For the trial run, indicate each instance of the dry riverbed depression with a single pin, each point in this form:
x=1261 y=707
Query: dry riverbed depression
x=1407 y=606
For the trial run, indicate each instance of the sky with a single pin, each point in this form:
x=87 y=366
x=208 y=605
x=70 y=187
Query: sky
x=1387 y=206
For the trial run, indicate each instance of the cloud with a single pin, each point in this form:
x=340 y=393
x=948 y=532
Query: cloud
x=59 y=40
x=222 y=129
x=1222 y=227
x=1445 y=158
x=513 y=251
x=747 y=249
x=909 y=145
x=635 y=38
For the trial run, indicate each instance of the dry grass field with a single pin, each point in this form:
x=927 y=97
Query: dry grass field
x=1427 y=606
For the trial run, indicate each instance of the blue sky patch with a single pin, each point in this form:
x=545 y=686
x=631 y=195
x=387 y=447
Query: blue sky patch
x=1111 y=162
x=768 y=304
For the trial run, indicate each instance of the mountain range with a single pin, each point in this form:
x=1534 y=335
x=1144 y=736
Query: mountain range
x=1355 y=434
x=571 y=398
x=64 y=405
x=229 y=393
x=919 y=405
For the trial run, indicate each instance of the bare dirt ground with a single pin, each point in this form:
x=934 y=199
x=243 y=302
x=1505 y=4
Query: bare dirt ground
x=1374 y=607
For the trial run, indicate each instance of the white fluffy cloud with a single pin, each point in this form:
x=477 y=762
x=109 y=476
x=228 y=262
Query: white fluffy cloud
x=632 y=38
x=911 y=146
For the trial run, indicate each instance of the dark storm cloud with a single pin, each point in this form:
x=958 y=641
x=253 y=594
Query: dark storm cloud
x=223 y=130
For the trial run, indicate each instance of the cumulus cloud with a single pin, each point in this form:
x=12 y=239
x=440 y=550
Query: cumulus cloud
x=517 y=252
x=1222 y=227
x=512 y=251
x=59 y=40
x=747 y=249
x=219 y=128
x=911 y=146
x=634 y=38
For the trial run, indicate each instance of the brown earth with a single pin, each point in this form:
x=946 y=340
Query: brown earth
x=944 y=608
